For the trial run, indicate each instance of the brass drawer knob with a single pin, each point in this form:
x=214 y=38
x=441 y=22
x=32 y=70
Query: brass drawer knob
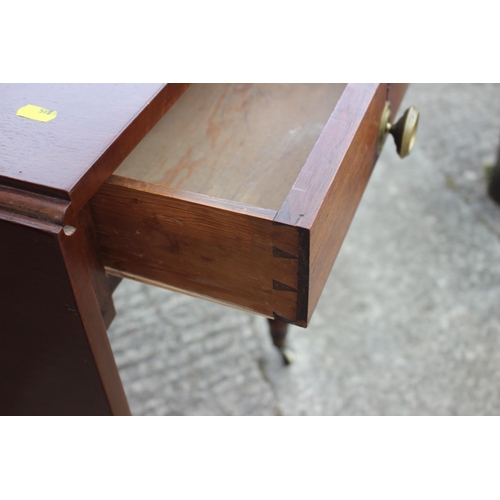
x=404 y=130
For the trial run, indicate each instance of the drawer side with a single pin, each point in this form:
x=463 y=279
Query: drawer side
x=215 y=249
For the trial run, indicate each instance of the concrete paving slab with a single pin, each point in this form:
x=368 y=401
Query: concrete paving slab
x=408 y=323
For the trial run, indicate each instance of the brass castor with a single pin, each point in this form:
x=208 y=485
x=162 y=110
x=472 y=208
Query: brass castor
x=279 y=330
x=287 y=355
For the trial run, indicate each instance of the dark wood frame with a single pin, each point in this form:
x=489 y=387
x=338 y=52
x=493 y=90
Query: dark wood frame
x=55 y=299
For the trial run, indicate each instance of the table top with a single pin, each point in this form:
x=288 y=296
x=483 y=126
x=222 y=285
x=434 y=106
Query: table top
x=91 y=129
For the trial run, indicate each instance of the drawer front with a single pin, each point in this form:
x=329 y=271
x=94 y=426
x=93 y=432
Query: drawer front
x=323 y=200
x=270 y=262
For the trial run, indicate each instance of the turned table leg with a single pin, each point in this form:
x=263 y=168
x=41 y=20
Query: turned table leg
x=279 y=330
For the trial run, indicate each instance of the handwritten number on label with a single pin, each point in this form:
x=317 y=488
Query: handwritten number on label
x=37 y=113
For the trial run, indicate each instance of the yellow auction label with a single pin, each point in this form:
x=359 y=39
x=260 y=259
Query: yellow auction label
x=37 y=113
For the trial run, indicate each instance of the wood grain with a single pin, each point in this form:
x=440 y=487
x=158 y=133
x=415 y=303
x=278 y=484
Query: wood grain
x=395 y=94
x=240 y=142
x=328 y=189
x=272 y=263
x=33 y=205
x=96 y=128
x=101 y=285
x=87 y=277
x=55 y=357
x=211 y=248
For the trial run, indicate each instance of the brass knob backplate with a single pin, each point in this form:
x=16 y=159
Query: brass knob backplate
x=404 y=130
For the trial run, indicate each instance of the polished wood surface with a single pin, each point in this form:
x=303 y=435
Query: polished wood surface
x=55 y=299
x=101 y=285
x=55 y=357
x=260 y=229
x=240 y=142
x=395 y=94
x=95 y=129
x=324 y=198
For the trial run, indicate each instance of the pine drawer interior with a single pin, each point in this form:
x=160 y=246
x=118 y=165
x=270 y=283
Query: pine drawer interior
x=204 y=204
x=239 y=142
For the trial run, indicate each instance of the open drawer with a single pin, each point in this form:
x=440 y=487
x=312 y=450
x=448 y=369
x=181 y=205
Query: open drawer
x=243 y=194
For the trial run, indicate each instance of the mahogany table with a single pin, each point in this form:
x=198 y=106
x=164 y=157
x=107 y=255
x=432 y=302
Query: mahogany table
x=240 y=194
